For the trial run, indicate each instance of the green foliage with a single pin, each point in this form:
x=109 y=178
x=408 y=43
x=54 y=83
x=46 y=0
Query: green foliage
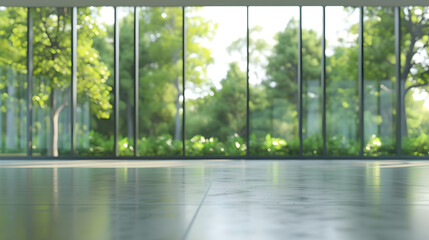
x=338 y=146
x=198 y=145
x=161 y=65
x=163 y=145
x=271 y=146
x=100 y=145
x=417 y=146
x=376 y=146
x=52 y=60
x=218 y=119
x=201 y=146
x=223 y=112
x=312 y=145
x=93 y=72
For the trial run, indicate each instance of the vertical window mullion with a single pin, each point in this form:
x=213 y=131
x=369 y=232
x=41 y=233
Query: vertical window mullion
x=73 y=78
x=116 y=82
x=324 y=82
x=29 y=82
x=398 y=81
x=136 y=80
x=183 y=79
x=300 y=80
x=361 y=83
x=247 y=85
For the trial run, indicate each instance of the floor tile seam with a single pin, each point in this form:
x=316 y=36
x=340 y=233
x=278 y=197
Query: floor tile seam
x=223 y=186
x=185 y=235
x=410 y=185
x=322 y=185
x=110 y=185
x=319 y=204
x=322 y=188
x=219 y=204
x=211 y=203
x=158 y=187
x=99 y=204
x=365 y=176
x=315 y=205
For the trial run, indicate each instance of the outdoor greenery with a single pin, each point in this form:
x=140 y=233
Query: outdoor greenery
x=215 y=115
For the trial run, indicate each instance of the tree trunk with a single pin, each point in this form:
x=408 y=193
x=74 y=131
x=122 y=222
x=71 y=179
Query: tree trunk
x=11 y=128
x=55 y=114
x=54 y=136
x=415 y=34
x=53 y=145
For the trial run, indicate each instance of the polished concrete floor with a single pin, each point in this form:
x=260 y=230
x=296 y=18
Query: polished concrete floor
x=199 y=200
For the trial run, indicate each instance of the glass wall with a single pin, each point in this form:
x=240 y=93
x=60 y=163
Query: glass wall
x=94 y=119
x=415 y=80
x=342 y=64
x=312 y=28
x=13 y=81
x=273 y=81
x=203 y=108
x=52 y=78
x=379 y=84
x=126 y=81
x=160 y=93
x=215 y=81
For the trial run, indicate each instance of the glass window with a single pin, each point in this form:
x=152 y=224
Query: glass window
x=213 y=106
x=126 y=81
x=379 y=85
x=216 y=81
x=13 y=81
x=415 y=80
x=342 y=64
x=273 y=70
x=161 y=93
x=51 y=81
x=94 y=119
x=312 y=19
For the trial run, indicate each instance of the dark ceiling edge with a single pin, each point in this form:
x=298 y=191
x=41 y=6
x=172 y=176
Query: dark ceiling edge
x=154 y=3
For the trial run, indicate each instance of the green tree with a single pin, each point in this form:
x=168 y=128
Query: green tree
x=52 y=62
x=281 y=82
x=414 y=46
x=222 y=113
x=12 y=79
x=161 y=65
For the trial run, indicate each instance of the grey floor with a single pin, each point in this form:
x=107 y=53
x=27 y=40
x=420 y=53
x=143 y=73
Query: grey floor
x=214 y=200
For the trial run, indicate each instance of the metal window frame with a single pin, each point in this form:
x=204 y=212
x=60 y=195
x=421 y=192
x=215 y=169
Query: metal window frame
x=361 y=155
x=116 y=82
x=299 y=76
x=247 y=83
x=323 y=85
x=183 y=81
x=136 y=79
x=73 y=94
x=30 y=67
x=180 y=3
x=399 y=91
x=361 y=83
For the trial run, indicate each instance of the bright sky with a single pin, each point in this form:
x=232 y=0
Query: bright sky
x=272 y=20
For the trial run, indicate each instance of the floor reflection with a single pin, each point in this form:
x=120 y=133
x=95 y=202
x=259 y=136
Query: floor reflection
x=214 y=200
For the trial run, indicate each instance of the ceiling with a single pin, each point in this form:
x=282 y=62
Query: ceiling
x=79 y=3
